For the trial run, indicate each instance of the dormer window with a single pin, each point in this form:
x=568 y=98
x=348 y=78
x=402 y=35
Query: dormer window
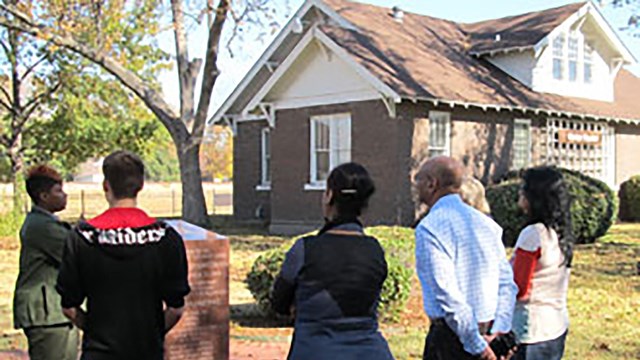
x=558 y=57
x=572 y=58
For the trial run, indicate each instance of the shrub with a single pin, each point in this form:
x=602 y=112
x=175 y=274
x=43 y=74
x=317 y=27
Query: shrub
x=398 y=244
x=593 y=209
x=629 y=195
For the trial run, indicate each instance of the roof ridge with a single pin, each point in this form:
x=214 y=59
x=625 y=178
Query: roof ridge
x=510 y=17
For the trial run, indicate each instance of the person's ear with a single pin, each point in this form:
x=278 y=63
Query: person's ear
x=328 y=197
x=43 y=197
x=105 y=186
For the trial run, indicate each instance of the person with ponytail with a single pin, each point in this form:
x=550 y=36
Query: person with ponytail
x=333 y=279
x=541 y=265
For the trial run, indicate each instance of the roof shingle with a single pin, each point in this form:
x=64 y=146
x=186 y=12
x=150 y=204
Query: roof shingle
x=428 y=58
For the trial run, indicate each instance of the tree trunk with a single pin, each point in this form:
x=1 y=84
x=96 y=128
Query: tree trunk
x=194 y=209
x=17 y=164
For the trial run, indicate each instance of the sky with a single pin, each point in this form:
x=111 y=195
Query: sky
x=247 y=51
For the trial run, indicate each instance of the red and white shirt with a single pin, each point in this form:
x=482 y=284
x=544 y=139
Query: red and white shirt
x=541 y=310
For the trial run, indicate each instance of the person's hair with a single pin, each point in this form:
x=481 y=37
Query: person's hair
x=351 y=187
x=472 y=192
x=124 y=171
x=41 y=178
x=549 y=200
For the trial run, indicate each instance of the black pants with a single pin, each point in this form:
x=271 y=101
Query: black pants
x=443 y=344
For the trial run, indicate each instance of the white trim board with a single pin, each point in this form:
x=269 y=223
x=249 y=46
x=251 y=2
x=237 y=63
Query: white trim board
x=314 y=34
x=264 y=59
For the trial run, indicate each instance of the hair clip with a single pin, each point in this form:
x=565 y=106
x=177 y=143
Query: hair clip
x=348 y=191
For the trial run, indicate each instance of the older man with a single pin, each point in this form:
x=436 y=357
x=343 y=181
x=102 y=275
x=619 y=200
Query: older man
x=468 y=288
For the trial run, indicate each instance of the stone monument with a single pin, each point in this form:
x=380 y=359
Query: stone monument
x=203 y=331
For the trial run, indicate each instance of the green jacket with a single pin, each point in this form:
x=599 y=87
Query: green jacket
x=36 y=301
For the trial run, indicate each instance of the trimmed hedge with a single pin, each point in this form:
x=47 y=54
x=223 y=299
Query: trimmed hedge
x=398 y=244
x=593 y=208
x=629 y=195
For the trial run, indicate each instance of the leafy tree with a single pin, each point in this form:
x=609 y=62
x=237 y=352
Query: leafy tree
x=161 y=162
x=119 y=36
x=216 y=155
x=28 y=78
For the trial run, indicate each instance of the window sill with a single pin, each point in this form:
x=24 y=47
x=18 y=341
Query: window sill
x=263 y=187
x=315 y=187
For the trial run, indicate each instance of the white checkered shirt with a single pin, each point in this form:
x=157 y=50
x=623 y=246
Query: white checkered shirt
x=464 y=272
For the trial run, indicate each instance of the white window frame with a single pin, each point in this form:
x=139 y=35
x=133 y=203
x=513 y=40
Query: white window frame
x=573 y=57
x=265 y=152
x=314 y=182
x=561 y=57
x=436 y=115
x=527 y=123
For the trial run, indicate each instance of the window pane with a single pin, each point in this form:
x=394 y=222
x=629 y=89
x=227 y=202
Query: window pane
x=573 y=70
x=587 y=73
x=437 y=132
x=573 y=48
x=558 y=46
x=521 y=145
x=267 y=143
x=267 y=170
x=322 y=165
x=557 y=69
x=322 y=135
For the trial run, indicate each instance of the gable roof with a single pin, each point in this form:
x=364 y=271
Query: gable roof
x=428 y=59
x=520 y=31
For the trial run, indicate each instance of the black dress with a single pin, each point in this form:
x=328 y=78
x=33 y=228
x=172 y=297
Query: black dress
x=334 y=282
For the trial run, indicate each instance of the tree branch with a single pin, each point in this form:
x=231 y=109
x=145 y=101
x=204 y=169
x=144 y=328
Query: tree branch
x=154 y=101
x=33 y=66
x=7 y=52
x=185 y=76
x=6 y=106
x=6 y=94
x=210 y=72
x=33 y=104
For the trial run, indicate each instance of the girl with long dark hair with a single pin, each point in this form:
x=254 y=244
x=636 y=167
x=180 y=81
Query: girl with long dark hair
x=541 y=265
x=333 y=279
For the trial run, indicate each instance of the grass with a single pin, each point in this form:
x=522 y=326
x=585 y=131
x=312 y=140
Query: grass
x=604 y=299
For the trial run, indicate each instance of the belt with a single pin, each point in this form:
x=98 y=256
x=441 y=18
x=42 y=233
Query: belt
x=483 y=327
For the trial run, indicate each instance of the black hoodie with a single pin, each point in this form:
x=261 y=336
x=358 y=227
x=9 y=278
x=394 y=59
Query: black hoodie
x=125 y=274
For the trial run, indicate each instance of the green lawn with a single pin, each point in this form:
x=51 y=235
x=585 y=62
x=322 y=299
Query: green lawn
x=604 y=299
x=604 y=302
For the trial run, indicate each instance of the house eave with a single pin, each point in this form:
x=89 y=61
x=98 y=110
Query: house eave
x=525 y=110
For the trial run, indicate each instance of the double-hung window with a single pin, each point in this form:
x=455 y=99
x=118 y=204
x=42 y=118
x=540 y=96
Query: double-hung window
x=330 y=145
x=574 y=44
x=521 y=144
x=558 y=57
x=439 y=133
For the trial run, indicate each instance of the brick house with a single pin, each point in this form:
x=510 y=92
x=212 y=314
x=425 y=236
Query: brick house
x=345 y=81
